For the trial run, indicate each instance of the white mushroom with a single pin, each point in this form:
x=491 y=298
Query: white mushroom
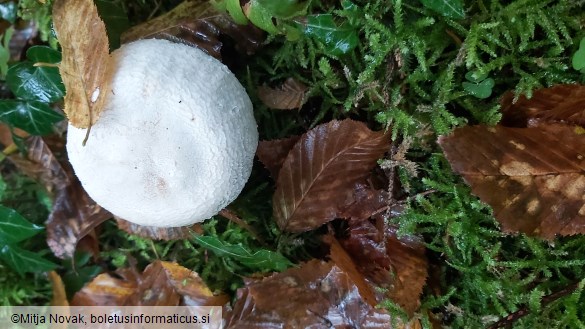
x=175 y=141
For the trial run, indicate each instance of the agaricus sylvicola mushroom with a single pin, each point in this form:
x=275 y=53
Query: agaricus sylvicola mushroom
x=175 y=141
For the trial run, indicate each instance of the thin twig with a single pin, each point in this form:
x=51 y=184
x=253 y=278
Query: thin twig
x=508 y=320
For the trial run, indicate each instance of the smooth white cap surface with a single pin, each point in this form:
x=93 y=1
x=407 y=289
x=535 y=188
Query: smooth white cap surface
x=175 y=142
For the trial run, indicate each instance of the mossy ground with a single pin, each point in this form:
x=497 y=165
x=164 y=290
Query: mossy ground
x=407 y=74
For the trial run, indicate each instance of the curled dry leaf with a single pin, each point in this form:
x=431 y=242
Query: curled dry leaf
x=273 y=153
x=74 y=216
x=158 y=233
x=59 y=294
x=161 y=284
x=198 y=23
x=290 y=95
x=85 y=68
x=396 y=264
x=321 y=170
x=315 y=295
x=42 y=165
x=558 y=103
x=534 y=178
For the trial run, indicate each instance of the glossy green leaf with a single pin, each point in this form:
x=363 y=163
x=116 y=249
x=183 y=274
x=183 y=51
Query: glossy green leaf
x=260 y=16
x=35 y=83
x=23 y=261
x=337 y=39
x=284 y=8
x=15 y=228
x=8 y=11
x=43 y=54
x=114 y=18
x=447 y=8
x=258 y=260
x=36 y=118
x=578 y=59
x=235 y=10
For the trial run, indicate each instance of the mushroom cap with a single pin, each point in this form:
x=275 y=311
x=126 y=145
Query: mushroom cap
x=175 y=141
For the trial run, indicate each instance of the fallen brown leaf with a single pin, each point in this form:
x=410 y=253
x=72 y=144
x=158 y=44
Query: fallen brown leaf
x=59 y=294
x=74 y=216
x=290 y=95
x=42 y=165
x=557 y=103
x=273 y=153
x=340 y=257
x=315 y=295
x=85 y=68
x=198 y=23
x=533 y=178
x=319 y=173
x=161 y=284
x=364 y=203
x=396 y=264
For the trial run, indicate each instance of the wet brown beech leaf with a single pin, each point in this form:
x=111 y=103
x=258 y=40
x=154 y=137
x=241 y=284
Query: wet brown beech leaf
x=273 y=153
x=161 y=284
x=158 y=233
x=320 y=171
x=315 y=295
x=42 y=165
x=532 y=177
x=396 y=264
x=364 y=203
x=341 y=258
x=557 y=103
x=107 y=290
x=74 y=216
x=85 y=68
x=198 y=23
x=290 y=95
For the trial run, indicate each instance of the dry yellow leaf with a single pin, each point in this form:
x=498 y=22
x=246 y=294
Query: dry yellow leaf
x=59 y=295
x=85 y=68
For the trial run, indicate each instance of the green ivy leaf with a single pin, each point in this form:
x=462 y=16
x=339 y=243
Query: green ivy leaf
x=259 y=260
x=36 y=118
x=23 y=261
x=337 y=39
x=578 y=59
x=43 y=54
x=15 y=228
x=447 y=8
x=115 y=20
x=284 y=8
x=35 y=83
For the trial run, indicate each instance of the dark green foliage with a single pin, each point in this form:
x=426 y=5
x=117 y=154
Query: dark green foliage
x=418 y=70
x=485 y=273
x=23 y=259
x=35 y=88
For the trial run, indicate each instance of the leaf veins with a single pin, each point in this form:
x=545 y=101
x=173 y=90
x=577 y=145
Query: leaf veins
x=320 y=171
